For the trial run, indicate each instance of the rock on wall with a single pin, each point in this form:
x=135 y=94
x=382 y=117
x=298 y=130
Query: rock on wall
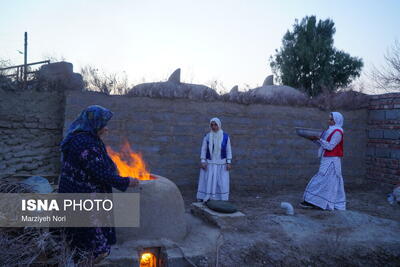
x=383 y=152
x=30 y=131
x=168 y=133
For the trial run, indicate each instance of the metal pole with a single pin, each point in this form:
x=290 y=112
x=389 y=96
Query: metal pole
x=26 y=58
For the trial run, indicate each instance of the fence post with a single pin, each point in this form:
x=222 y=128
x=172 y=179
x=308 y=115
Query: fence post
x=25 y=60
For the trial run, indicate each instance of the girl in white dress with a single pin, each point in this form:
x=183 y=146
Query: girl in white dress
x=216 y=158
x=326 y=188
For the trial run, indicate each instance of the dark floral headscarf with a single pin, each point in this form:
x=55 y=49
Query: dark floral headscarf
x=91 y=120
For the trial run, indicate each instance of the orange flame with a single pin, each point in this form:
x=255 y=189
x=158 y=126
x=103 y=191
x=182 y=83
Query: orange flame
x=148 y=260
x=129 y=163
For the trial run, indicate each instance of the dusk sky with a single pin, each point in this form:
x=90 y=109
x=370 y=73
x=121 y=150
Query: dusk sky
x=225 y=40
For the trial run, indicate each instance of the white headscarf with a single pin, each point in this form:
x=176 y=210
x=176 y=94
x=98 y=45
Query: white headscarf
x=215 y=140
x=338 y=119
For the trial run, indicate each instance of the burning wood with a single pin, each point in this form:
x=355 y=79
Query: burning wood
x=129 y=163
x=148 y=259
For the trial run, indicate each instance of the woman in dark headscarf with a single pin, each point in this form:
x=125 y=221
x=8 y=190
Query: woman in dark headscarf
x=87 y=168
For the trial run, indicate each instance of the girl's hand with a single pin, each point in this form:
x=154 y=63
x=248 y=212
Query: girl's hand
x=228 y=166
x=313 y=138
x=203 y=166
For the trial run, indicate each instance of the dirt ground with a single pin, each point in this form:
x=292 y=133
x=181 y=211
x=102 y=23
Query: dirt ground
x=367 y=234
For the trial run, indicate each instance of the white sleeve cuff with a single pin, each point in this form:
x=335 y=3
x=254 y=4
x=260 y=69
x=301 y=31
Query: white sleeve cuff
x=228 y=161
x=203 y=161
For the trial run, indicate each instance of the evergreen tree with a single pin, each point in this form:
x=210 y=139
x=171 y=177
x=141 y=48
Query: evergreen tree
x=308 y=60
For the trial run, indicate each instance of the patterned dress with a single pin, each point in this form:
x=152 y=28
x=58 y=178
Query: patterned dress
x=87 y=168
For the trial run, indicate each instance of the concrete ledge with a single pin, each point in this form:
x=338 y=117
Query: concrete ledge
x=197 y=249
x=222 y=220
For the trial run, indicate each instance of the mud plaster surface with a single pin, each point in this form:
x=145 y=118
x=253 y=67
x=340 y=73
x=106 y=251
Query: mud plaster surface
x=367 y=234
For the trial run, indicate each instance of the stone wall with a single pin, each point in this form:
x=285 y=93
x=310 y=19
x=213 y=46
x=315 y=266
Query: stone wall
x=267 y=152
x=383 y=152
x=168 y=132
x=30 y=131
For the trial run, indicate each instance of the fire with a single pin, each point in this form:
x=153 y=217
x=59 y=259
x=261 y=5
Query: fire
x=129 y=163
x=148 y=260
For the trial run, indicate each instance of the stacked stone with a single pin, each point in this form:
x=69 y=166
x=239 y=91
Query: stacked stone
x=30 y=132
x=168 y=132
x=383 y=149
x=266 y=149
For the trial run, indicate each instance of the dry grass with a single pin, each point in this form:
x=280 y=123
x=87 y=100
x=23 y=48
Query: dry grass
x=28 y=246
x=348 y=100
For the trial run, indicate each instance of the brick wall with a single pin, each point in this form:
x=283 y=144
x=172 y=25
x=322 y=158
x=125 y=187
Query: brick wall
x=267 y=152
x=30 y=131
x=383 y=148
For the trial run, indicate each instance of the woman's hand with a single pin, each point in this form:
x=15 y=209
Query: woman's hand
x=228 y=166
x=203 y=165
x=133 y=182
x=313 y=138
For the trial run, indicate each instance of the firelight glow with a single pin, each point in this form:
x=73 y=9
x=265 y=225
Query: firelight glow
x=147 y=260
x=129 y=163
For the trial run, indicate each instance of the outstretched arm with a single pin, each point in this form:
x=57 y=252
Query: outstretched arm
x=94 y=162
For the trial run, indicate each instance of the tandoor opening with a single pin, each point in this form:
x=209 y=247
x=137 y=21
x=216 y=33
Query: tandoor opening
x=153 y=257
x=148 y=259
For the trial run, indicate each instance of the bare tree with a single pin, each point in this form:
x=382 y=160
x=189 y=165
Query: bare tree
x=4 y=63
x=107 y=83
x=388 y=76
x=217 y=85
x=53 y=58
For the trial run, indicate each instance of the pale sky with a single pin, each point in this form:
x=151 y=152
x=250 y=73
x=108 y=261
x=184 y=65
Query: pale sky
x=225 y=40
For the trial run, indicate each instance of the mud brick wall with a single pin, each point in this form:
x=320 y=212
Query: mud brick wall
x=266 y=150
x=383 y=152
x=30 y=131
